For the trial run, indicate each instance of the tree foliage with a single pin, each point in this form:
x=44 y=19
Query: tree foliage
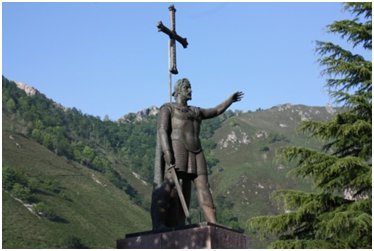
x=338 y=213
x=225 y=214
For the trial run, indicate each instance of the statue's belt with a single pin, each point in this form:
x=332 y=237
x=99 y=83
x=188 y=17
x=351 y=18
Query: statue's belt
x=188 y=147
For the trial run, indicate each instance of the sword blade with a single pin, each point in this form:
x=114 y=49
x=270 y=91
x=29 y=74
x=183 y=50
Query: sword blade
x=180 y=195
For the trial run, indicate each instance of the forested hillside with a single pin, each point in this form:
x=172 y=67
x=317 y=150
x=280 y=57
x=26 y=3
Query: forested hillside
x=54 y=156
x=61 y=165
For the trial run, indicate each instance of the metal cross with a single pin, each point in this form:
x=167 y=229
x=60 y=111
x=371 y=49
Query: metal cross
x=173 y=36
x=172 y=47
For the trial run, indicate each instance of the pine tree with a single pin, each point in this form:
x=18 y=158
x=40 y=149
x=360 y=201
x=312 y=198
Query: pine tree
x=338 y=213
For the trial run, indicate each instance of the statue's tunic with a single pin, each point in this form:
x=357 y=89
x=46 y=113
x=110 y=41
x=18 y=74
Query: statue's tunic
x=180 y=129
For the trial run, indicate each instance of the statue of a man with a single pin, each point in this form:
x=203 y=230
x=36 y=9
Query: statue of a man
x=179 y=147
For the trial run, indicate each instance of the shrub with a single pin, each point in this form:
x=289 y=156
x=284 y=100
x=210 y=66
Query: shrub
x=72 y=242
x=265 y=149
x=274 y=138
x=21 y=192
x=43 y=210
x=11 y=177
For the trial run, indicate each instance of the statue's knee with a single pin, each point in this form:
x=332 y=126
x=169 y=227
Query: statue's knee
x=209 y=204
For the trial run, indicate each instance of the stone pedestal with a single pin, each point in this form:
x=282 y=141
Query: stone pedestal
x=203 y=235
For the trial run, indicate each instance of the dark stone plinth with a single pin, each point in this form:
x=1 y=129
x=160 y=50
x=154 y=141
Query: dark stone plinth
x=203 y=235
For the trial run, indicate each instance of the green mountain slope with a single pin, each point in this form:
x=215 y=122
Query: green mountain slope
x=95 y=176
x=88 y=208
x=248 y=170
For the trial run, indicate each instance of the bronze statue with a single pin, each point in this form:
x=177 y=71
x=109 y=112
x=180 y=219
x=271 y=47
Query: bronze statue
x=179 y=152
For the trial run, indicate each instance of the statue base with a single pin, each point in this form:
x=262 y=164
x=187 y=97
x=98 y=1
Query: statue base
x=202 y=235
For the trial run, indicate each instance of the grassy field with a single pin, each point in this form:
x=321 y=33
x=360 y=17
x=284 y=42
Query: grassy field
x=88 y=207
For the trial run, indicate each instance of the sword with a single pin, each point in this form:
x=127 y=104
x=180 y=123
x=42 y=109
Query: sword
x=180 y=193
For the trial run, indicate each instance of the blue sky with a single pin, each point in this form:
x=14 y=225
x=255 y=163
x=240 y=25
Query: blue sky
x=109 y=59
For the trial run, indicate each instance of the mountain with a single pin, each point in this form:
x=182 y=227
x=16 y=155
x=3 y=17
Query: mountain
x=81 y=204
x=93 y=178
x=248 y=170
x=62 y=187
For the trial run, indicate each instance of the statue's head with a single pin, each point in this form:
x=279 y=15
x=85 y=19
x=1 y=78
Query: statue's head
x=183 y=88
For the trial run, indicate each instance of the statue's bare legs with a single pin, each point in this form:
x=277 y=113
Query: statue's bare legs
x=204 y=195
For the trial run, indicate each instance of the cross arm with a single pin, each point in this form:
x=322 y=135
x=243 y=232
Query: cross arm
x=172 y=34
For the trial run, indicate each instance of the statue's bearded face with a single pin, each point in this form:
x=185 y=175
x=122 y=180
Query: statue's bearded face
x=185 y=91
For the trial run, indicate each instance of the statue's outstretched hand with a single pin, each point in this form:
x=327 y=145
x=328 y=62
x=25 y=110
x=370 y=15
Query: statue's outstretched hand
x=237 y=96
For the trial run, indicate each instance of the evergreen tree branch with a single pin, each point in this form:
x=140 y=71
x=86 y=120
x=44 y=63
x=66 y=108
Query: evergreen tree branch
x=353 y=31
x=354 y=71
x=359 y=9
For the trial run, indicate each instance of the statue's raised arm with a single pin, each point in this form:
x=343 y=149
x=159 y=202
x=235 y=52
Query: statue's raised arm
x=221 y=108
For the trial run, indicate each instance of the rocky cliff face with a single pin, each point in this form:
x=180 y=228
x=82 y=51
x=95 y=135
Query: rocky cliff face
x=139 y=116
x=30 y=91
